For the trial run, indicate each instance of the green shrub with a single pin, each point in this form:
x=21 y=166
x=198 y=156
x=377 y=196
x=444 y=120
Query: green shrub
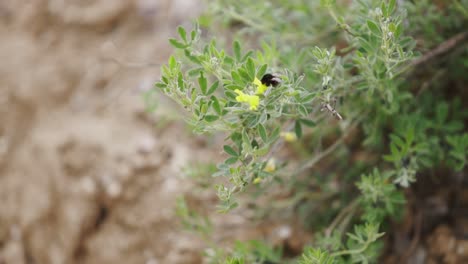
x=350 y=84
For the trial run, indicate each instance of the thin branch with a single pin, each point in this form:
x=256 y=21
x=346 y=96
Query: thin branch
x=443 y=48
x=349 y=209
x=309 y=164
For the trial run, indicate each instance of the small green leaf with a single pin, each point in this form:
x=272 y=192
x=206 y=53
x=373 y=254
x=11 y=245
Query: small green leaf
x=298 y=129
x=229 y=150
x=410 y=135
x=216 y=106
x=374 y=28
x=202 y=82
x=247 y=55
x=250 y=67
x=398 y=30
x=182 y=33
x=261 y=71
x=391 y=7
x=213 y=88
x=274 y=135
x=194 y=32
x=262 y=132
x=194 y=72
x=180 y=81
x=177 y=44
x=397 y=141
x=262 y=151
x=308 y=122
x=191 y=57
x=384 y=9
x=231 y=160
x=237 y=50
x=211 y=118
x=236 y=77
x=442 y=112
x=307 y=98
x=245 y=76
x=302 y=110
x=172 y=63
x=236 y=137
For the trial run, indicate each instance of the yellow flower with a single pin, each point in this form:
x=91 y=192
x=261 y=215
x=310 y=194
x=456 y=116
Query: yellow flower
x=289 y=136
x=261 y=88
x=252 y=100
x=257 y=180
x=270 y=166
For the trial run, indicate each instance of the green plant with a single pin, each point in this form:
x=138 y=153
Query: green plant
x=354 y=96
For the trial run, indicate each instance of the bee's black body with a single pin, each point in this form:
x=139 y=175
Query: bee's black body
x=271 y=80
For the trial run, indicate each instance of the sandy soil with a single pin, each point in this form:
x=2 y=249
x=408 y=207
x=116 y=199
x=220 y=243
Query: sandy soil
x=86 y=174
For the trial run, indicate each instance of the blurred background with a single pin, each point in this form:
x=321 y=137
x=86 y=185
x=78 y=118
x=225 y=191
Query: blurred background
x=87 y=174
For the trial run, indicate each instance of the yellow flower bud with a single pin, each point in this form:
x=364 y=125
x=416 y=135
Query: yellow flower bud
x=270 y=166
x=289 y=136
x=257 y=180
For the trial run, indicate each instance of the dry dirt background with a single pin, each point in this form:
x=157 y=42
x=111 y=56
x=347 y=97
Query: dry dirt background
x=86 y=174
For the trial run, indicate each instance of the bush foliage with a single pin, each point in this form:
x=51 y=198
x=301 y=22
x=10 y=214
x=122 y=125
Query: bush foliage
x=356 y=96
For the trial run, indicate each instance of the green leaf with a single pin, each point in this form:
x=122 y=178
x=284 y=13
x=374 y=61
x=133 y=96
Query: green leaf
x=236 y=77
x=231 y=160
x=247 y=55
x=374 y=28
x=397 y=141
x=237 y=50
x=194 y=32
x=172 y=63
x=298 y=129
x=398 y=30
x=194 y=72
x=308 y=122
x=177 y=44
x=302 y=110
x=391 y=7
x=262 y=151
x=409 y=135
x=229 y=150
x=262 y=70
x=250 y=67
x=442 y=112
x=262 y=132
x=245 y=76
x=274 y=135
x=211 y=118
x=246 y=141
x=216 y=106
x=191 y=57
x=384 y=9
x=236 y=137
x=307 y=98
x=202 y=82
x=180 y=81
x=213 y=88
x=182 y=33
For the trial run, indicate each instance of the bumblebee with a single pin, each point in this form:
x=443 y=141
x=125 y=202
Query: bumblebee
x=271 y=80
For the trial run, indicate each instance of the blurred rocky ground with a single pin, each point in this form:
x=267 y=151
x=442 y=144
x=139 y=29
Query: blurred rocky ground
x=87 y=175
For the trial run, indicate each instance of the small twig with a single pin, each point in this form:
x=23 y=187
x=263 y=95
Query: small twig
x=416 y=238
x=309 y=164
x=342 y=215
x=443 y=48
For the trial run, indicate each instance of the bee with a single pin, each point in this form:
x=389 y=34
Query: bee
x=271 y=80
x=331 y=109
